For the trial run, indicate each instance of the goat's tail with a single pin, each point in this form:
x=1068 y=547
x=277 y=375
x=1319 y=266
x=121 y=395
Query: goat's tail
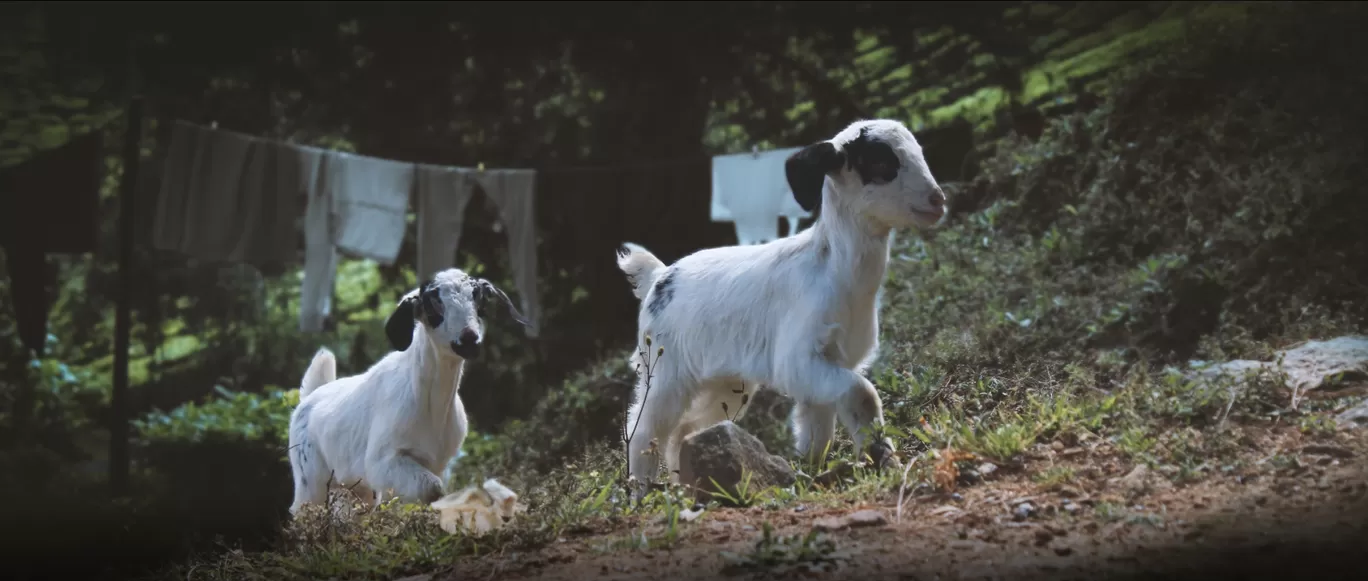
x=322 y=371
x=641 y=268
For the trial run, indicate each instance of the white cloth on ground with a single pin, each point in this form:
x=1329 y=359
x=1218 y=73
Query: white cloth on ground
x=225 y=196
x=443 y=194
x=320 y=256
x=370 y=198
x=513 y=192
x=751 y=190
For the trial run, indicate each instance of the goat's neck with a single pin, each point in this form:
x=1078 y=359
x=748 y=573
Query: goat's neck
x=439 y=373
x=856 y=250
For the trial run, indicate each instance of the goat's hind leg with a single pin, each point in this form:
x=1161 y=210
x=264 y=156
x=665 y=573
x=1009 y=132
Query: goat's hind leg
x=716 y=401
x=311 y=475
x=307 y=465
x=649 y=425
x=814 y=429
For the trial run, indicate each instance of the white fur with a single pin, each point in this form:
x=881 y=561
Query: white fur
x=392 y=429
x=799 y=314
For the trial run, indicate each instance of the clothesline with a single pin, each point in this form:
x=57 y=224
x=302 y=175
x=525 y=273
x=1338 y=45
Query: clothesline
x=573 y=168
x=663 y=163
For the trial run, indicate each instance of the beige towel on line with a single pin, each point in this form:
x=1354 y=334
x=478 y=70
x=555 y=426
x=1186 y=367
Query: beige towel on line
x=443 y=194
x=513 y=191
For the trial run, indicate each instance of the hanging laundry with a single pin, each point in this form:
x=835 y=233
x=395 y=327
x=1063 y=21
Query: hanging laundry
x=751 y=190
x=48 y=204
x=370 y=198
x=320 y=256
x=443 y=193
x=513 y=192
x=228 y=197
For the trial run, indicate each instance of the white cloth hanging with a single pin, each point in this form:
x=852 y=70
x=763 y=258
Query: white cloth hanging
x=751 y=191
x=370 y=198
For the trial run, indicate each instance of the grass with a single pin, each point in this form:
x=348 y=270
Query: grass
x=1204 y=211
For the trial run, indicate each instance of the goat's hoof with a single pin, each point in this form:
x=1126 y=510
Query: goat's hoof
x=881 y=454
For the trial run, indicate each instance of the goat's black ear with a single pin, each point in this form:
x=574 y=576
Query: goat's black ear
x=488 y=291
x=807 y=169
x=399 y=326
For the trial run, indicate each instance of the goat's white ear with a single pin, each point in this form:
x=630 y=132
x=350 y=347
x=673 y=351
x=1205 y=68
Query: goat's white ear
x=807 y=170
x=399 y=326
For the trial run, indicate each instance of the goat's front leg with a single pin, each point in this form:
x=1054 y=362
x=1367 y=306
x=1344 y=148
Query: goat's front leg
x=861 y=412
x=399 y=474
x=821 y=387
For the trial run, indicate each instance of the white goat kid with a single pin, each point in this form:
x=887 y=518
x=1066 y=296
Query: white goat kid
x=800 y=314
x=392 y=429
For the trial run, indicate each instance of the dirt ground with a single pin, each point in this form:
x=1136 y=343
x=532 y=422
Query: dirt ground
x=1298 y=509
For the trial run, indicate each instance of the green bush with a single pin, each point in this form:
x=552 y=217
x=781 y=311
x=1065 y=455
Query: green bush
x=222 y=465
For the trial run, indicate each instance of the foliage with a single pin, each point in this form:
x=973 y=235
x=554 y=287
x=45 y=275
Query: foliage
x=248 y=416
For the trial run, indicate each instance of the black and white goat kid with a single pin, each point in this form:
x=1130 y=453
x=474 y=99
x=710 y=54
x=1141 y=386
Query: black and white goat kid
x=800 y=314
x=391 y=430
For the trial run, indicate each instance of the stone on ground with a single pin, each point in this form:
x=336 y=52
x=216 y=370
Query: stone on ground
x=727 y=455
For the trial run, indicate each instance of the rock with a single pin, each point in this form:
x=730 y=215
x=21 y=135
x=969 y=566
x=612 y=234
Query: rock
x=1136 y=481
x=1323 y=450
x=1308 y=365
x=1355 y=417
x=1023 y=511
x=857 y=519
x=767 y=418
x=724 y=453
x=986 y=469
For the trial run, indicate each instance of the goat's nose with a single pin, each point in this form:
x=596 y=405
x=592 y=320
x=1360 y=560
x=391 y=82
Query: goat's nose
x=469 y=337
x=937 y=199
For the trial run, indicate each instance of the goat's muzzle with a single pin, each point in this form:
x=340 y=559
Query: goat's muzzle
x=468 y=346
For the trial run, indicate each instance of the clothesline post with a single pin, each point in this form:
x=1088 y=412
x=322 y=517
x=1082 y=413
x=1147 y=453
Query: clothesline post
x=118 y=428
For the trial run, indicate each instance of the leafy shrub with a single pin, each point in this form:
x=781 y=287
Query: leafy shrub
x=222 y=463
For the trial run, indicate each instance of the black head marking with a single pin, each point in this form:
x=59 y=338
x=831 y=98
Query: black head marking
x=662 y=292
x=807 y=169
x=430 y=297
x=485 y=291
x=426 y=305
x=874 y=160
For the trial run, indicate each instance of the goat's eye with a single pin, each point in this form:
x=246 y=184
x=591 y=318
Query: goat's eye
x=882 y=172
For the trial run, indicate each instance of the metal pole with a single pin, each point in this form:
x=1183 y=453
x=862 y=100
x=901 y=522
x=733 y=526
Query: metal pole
x=118 y=428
